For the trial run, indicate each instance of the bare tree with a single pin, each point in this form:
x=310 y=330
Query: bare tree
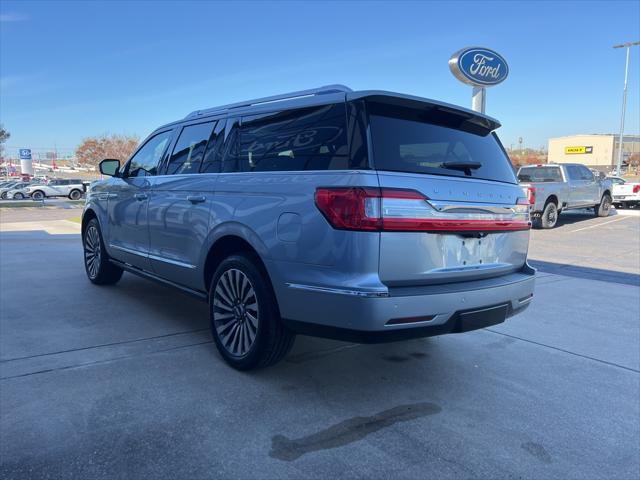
x=94 y=149
x=4 y=136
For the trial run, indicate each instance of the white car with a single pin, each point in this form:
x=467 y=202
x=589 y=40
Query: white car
x=72 y=188
x=625 y=194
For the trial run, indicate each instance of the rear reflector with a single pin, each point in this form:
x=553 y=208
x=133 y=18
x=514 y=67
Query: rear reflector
x=401 y=210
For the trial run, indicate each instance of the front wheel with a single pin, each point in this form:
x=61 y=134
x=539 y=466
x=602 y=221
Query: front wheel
x=37 y=195
x=602 y=210
x=18 y=196
x=245 y=319
x=96 y=260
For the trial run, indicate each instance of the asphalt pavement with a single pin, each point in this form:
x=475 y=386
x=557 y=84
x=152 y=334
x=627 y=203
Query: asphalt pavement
x=124 y=381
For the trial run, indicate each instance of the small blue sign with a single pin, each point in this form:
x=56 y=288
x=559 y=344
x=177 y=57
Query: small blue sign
x=479 y=67
x=25 y=154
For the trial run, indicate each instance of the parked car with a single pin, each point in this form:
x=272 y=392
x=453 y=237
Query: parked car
x=625 y=194
x=72 y=188
x=554 y=188
x=12 y=186
x=19 y=192
x=365 y=216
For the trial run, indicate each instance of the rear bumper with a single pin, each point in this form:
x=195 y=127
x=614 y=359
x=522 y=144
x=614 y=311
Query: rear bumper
x=407 y=312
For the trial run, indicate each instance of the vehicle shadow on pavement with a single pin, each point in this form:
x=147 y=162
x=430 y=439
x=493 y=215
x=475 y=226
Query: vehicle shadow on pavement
x=588 y=273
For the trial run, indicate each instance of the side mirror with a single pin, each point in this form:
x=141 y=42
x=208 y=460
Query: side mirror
x=110 y=167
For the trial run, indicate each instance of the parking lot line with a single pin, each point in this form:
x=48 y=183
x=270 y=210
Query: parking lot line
x=599 y=224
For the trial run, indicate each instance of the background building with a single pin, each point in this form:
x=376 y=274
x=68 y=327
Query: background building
x=597 y=151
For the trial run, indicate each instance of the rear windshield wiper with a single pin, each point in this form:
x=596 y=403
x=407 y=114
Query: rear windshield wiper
x=466 y=167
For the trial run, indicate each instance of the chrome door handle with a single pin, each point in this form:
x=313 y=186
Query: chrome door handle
x=140 y=196
x=196 y=198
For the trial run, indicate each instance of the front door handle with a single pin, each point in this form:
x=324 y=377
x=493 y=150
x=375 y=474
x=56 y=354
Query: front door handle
x=140 y=196
x=196 y=198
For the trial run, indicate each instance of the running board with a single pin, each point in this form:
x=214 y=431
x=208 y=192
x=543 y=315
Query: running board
x=150 y=276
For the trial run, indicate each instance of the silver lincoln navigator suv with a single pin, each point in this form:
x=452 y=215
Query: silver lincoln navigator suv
x=364 y=216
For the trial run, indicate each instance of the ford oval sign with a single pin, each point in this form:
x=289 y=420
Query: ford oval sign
x=479 y=67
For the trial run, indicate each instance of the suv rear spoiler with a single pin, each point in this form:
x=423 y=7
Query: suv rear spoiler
x=443 y=113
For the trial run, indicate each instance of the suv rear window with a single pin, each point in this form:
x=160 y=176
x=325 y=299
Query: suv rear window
x=407 y=140
x=539 y=174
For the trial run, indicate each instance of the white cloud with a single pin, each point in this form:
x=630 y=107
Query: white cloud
x=12 y=17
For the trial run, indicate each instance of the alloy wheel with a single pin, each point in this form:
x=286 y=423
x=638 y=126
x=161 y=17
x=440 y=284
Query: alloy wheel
x=235 y=312
x=92 y=251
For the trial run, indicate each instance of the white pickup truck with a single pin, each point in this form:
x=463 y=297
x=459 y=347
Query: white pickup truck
x=554 y=188
x=625 y=194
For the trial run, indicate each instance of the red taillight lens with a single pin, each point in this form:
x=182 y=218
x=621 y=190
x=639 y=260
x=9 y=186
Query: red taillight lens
x=402 y=210
x=636 y=188
x=532 y=195
x=350 y=208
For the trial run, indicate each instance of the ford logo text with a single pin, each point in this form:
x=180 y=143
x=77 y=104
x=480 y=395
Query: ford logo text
x=479 y=67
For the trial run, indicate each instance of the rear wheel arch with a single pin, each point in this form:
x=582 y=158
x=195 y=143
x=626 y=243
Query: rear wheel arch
x=552 y=199
x=226 y=246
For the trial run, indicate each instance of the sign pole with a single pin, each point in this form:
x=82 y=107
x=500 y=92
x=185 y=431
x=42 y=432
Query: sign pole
x=479 y=99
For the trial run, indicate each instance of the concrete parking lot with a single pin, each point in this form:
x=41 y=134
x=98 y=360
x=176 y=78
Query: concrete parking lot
x=124 y=381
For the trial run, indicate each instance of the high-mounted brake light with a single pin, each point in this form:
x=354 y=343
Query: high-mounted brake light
x=403 y=210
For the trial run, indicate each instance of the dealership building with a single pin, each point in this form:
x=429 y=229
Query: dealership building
x=597 y=151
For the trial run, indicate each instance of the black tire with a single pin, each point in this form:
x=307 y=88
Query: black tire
x=3 y=196
x=603 y=208
x=18 y=196
x=241 y=304
x=75 y=194
x=550 y=214
x=38 y=195
x=96 y=260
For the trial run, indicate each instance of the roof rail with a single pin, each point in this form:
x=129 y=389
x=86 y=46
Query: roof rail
x=274 y=98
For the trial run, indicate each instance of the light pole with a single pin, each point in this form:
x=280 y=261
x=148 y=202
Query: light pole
x=628 y=46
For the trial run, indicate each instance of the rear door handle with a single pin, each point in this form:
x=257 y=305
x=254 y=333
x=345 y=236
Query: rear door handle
x=196 y=198
x=140 y=196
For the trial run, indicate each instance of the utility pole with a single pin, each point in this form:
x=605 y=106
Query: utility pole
x=628 y=46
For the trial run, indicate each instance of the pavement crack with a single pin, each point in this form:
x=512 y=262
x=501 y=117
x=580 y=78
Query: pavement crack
x=98 y=362
x=124 y=342
x=565 y=351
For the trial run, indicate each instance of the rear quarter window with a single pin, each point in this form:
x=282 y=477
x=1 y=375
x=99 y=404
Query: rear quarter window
x=405 y=140
x=304 y=139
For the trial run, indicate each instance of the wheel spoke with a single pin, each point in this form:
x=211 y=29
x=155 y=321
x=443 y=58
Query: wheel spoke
x=235 y=312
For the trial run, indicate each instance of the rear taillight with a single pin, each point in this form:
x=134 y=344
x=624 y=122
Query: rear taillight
x=402 y=210
x=531 y=194
x=636 y=188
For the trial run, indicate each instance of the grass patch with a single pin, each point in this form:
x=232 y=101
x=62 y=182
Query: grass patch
x=20 y=204
x=75 y=219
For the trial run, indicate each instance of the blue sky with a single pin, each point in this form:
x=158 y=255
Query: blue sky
x=74 y=69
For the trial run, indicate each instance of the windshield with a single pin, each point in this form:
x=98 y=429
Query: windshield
x=404 y=140
x=540 y=174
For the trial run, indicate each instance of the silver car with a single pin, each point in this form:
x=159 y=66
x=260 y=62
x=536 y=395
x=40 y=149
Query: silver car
x=364 y=216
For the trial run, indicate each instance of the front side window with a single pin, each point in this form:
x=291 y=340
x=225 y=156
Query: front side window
x=312 y=138
x=189 y=150
x=586 y=174
x=410 y=140
x=145 y=161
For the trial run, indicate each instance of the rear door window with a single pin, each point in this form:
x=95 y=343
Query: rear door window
x=189 y=150
x=574 y=173
x=312 y=138
x=404 y=140
x=212 y=161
